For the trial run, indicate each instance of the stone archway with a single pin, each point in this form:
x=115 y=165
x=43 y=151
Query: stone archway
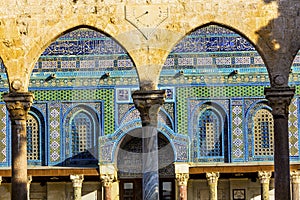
x=129 y=164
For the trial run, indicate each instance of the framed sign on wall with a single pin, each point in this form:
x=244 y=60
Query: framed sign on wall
x=239 y=194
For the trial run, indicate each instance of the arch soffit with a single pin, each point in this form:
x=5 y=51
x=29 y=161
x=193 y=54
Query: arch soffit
x=121 y=137
x=37 y=111
x=133 y=109
x=87 y=109
x=262 y=103
x=214 y=105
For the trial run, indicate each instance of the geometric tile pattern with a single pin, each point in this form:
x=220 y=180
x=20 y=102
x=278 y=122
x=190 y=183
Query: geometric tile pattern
x=105 y=95
x=54 y=132
x=293 y=128
x=184 y=93
x=3 y=134
x=237 y=137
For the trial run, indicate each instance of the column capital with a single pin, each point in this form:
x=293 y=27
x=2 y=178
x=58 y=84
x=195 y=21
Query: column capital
x=295 y=176
x=148 y=104
x=264 y=176
x=279 y=99
x=77 y=180
x=182 y=178
x=107 y=179
x=18 y=104
x=212 y=177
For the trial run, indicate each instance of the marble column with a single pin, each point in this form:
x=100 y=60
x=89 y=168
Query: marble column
x=107 y=180
x=212 y=179
x=18 y=105
x=264 y=178
x=182 y=180
x=29 y=180
x=279 y=99
x=148 y=104
x=295 y=178
x=77 y=180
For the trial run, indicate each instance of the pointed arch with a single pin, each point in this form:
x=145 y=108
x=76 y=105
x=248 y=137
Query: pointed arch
x=209 y=133
x=208 y=31
x=36 y=144
x=129 y=155
x=260 y=130
x=81 y=131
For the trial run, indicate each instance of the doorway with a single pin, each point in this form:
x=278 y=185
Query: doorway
x=131 y=189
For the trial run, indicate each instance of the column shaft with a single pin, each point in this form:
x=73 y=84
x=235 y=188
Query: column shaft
x=212 y=178
x=77 y=186
x=18 y=105
x=279 y=99
x=148 y=103
x=295 y=177
x=29 y=179
x=182 y=180
x=264 y=178
x=107 y=180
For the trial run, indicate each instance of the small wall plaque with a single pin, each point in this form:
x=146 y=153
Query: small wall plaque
x=239 y=194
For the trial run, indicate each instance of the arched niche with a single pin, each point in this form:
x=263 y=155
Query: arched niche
x=129 y=156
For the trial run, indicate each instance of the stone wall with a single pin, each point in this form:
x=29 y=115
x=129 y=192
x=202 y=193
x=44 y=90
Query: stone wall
x=147 y=30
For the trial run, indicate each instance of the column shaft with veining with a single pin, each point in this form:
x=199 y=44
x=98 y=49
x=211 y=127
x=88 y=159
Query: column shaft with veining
x=279 y=99
x=18 y=105
x=295 y=178
x=212 y=179
x=264 y=178
x=77 y=180
x=148 y=103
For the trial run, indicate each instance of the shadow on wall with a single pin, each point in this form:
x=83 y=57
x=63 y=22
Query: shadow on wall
x=279 y=41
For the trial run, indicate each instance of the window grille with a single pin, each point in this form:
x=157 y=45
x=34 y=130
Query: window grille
x=209 y=134
x=33 y=134
x=263 y=133
x=82 y=133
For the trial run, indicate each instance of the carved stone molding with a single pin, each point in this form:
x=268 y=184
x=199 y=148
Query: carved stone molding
x=264 y=176
x=107 y=179
x=279 y=100
x=182 y=179
x=18 y=104
x=148 y=104
x=212 y=177
x=77 y=180
x=295 y=176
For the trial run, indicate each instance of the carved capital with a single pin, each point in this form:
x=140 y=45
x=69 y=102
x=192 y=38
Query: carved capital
x=295 y=176
x=107 y=179
x=182 y=179
x=264 y=176
x=77 y=180
x=18 y=104
x=212 y=177
x=279 y=100
x=148 y=104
